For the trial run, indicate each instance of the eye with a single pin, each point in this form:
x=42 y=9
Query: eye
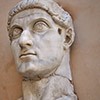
x=40 y=26
x=16 y=32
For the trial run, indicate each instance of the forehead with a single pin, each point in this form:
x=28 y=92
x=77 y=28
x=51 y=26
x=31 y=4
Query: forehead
x=29 y=15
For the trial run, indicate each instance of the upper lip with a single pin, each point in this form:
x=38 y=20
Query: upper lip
x=25 y=54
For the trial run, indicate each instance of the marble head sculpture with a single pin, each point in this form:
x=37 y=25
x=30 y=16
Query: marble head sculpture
x=41 y=33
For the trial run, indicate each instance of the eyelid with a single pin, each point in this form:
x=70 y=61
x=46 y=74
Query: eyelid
x=15 y=26
x=41 y=20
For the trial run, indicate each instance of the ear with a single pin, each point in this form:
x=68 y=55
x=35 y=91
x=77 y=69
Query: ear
x=69 y=37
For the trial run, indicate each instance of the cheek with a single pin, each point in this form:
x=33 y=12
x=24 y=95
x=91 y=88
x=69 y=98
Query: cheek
x=51 y=44
x=15 y=49
x=52 y=38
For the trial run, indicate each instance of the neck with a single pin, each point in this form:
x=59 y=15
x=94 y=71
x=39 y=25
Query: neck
x=33 y=90
x=64 y=68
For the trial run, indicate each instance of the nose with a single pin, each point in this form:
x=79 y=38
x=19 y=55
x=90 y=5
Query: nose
x=25 y=40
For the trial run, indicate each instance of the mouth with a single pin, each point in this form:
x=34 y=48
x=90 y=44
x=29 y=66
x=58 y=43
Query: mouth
x=27 y=54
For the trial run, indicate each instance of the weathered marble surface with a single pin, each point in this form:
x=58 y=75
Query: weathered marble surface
x=41 y=33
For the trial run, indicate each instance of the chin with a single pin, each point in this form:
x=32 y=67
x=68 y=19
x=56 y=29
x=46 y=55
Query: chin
x=36 y=70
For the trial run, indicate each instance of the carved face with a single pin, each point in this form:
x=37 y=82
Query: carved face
x=37 y=43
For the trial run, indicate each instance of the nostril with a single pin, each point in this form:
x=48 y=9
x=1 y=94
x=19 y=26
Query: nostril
x=28 y=44
x=25 y=45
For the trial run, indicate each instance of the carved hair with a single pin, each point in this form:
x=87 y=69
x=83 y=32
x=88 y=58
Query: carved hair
x=60 y=16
